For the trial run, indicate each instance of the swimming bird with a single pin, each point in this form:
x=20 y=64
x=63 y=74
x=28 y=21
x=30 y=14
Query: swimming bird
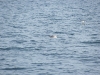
x=83 y=22
x=53 y=36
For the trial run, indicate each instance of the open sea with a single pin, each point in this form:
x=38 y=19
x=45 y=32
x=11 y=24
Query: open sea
x=26 y=47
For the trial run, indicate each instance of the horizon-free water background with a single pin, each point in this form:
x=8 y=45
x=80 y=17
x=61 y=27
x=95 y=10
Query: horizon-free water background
x=26 y=48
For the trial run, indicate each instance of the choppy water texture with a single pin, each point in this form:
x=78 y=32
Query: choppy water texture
x=27 y=49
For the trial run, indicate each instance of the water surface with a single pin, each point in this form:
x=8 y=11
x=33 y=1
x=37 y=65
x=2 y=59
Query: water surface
x=27 y=49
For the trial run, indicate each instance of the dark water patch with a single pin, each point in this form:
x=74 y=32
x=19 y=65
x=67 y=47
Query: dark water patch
x=52 y=54
x=37 y=49
x=22 y=36
x=92 y=42
x=5 y=48
x=12 y=34
x=45 y=74
x=29 y=48
x=19 y=41
x=43 y=64
x=85 y=52
x=60 y=32
x=94 y=34
x=70 y=71
x=12 y=48
x=87 y=71
x=17 y=68
x=56 y=19
x=2 y=59
x=18 y=27
x=33 y=41
x=99 y=22
x=41 y=47
x=80 y=46
x=98 y=3
x=8 y=64
x=41 y=69
x=94 y=37
x=97 y=62
x=71 y=34
x=84 y=56
x=49 y=31
x=38 y=64
x=87 y=60
x=7 y=36
x=58 y=55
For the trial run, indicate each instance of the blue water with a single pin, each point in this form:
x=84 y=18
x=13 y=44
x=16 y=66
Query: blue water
x=27 y=49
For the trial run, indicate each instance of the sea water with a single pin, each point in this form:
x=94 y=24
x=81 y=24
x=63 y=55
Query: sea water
x=27 y=49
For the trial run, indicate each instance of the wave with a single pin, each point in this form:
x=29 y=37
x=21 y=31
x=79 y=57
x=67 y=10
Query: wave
x=92 y=42
x=12 y=48
x=17 y=68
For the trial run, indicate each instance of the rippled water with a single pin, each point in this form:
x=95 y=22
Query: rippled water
x=27 y=49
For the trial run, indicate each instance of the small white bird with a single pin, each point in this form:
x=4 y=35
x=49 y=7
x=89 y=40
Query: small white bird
x=83 y=22
x=53 y=36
